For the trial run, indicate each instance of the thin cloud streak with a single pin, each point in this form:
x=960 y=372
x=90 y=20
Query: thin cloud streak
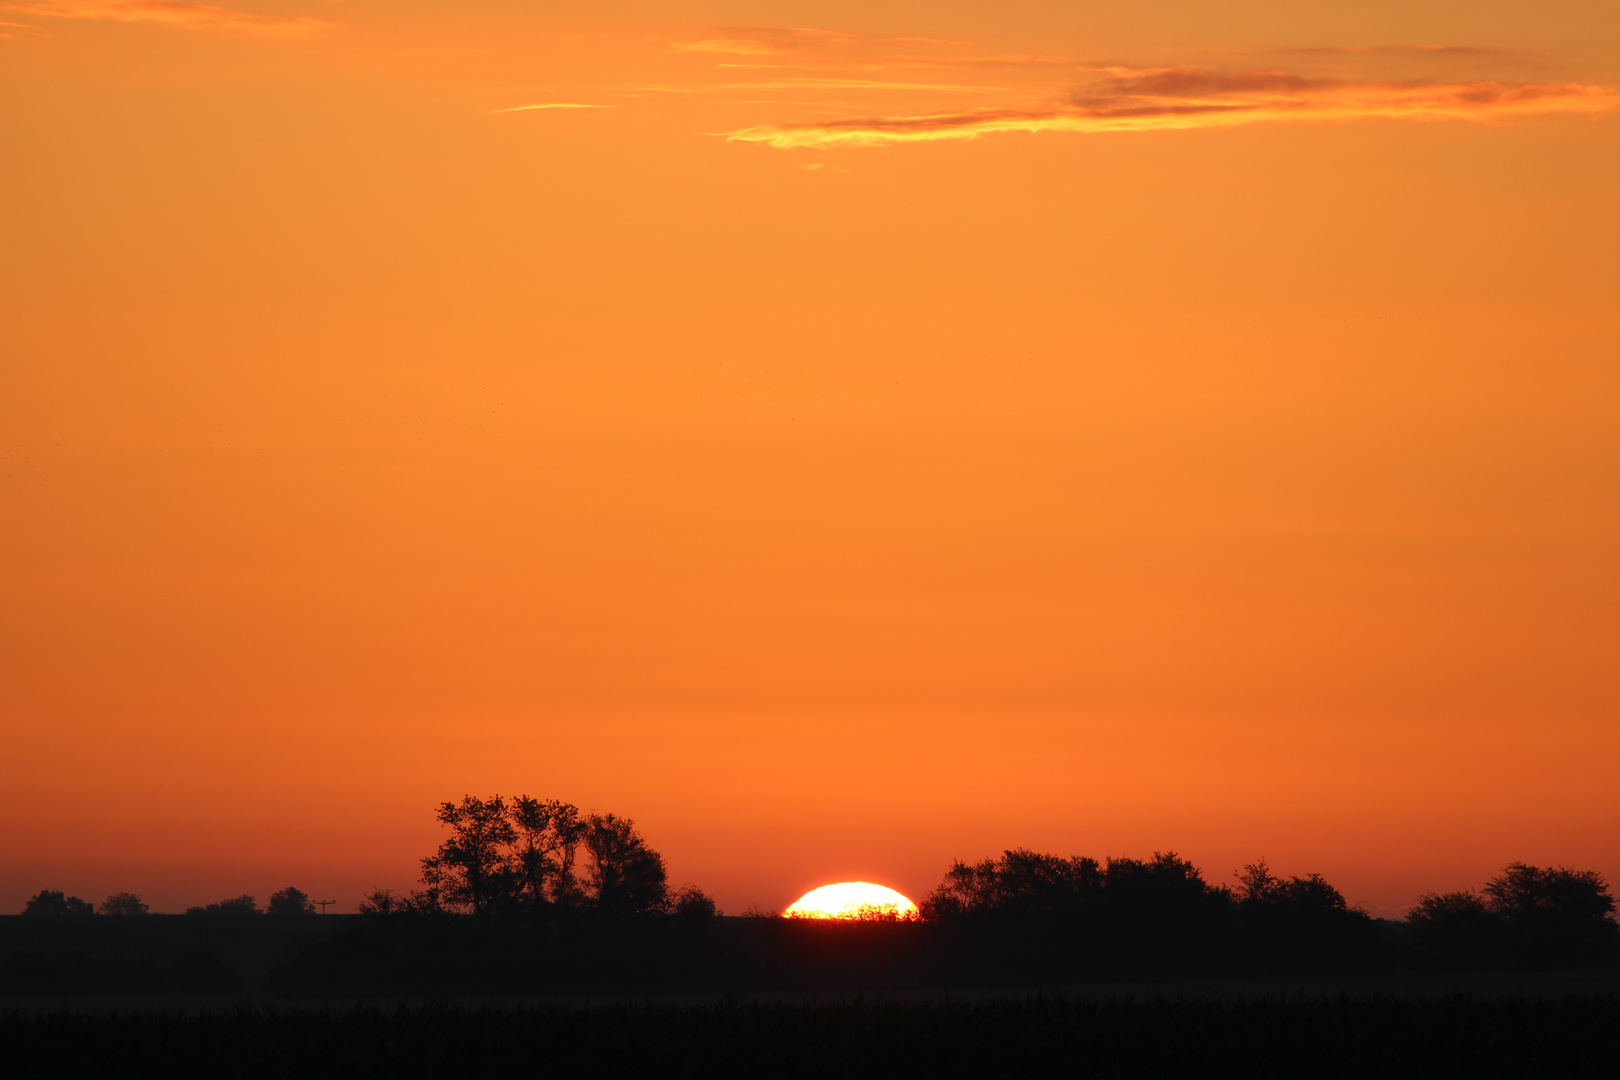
x=1183 y=98
x=548 y=105
x=168 y=12
x=816 y=82
x=729 y=46
x=1314 y=50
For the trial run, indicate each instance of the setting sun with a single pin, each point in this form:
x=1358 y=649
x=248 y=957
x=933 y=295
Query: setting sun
x=852 y=900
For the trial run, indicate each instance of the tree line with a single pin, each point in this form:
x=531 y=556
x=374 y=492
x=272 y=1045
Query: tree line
x=525 y=857
x=53 y=903
x=523 y=860
x=1525 y=916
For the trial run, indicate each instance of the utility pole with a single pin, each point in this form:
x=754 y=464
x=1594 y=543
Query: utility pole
x=323 y=904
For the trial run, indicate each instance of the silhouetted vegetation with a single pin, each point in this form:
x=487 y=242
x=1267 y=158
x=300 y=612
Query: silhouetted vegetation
x=233 y=907
x=290 y=901
x=530 y=896
x=124 y=903
x=505 y=861
x=53 y=904
x=1318 y=1036
x=1526 y=917
x=1041 y=915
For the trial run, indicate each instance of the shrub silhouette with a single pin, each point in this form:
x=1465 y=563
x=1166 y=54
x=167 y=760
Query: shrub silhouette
x=691 y=903
x=52 y=904
x=124 y=903
x=290 y=901
x=384 y=903
x=235 y=906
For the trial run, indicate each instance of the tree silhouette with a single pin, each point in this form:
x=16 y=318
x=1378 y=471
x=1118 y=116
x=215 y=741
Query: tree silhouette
x=508 y=859
x=1299 y=923
x=1256 y=883
x=291 y=901
x=473 y=868
x=625 y=875
x=1027 y=886
x=51 y=903
x=1560 y=894
x=1554 y=915
x=1163 y=887
x=124 y=903
x=1259 y=887
x=1527 y=916
x=548 y=835
x=1022 y=884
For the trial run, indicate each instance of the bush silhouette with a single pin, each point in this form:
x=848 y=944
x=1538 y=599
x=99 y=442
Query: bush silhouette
x=290 y=901
x=52 y=904
x=692 y=903
x=124 y=903
x=233 y=907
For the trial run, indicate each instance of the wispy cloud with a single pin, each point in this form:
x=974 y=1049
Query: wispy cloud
x=730 y=46
x=549 y=105
x=170 y=12
x=1194 y=97
x=1466 y=50
x=817 y=82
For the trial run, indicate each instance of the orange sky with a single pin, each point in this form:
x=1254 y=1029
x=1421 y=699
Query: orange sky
x=847 y=437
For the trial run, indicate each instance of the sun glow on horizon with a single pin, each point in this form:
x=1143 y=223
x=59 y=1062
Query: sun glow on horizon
x=852 y=900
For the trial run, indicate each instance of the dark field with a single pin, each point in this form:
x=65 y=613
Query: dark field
x=1345 y=1036
x=347 y=996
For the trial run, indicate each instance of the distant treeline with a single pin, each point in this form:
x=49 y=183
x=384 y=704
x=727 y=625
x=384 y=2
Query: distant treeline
x=52 y=903
x=528 y=896
x=1525 y=917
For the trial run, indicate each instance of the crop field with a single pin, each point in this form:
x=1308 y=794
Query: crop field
x=1343 y=1036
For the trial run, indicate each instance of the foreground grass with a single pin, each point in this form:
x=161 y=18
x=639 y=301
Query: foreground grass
x=1306 y=1037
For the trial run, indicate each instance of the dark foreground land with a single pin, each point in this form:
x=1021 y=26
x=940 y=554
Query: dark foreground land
x=1344 y=1036
x=355 y=996
x=351 y=957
